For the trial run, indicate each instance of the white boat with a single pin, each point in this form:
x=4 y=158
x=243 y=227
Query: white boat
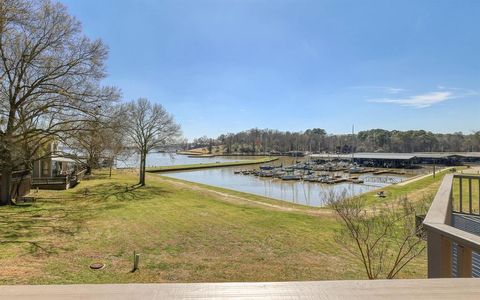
x=356 y=169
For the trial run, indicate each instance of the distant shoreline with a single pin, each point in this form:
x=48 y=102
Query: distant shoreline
x=210 y=165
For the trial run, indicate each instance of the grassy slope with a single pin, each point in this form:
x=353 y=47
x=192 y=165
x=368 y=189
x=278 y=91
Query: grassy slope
x=416 y=190
x=184 y=234
x=212 y=165
x=252 y=197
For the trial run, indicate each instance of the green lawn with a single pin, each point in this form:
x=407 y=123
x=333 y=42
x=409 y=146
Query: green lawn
x=424 y=189
x=184 y=232
x=212 y=165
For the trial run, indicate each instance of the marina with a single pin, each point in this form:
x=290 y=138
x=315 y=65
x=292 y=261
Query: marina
x=328 y=173
x=292 y=181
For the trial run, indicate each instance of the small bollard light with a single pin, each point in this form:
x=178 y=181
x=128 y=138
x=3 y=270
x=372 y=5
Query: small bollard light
x=136 y=261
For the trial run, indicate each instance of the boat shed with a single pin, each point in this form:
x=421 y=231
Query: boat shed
x=385 y=160
x=401 y=160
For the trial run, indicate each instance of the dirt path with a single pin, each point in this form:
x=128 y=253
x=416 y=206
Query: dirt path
x=243 y=200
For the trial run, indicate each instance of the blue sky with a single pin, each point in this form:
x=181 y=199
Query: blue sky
x=230 y=65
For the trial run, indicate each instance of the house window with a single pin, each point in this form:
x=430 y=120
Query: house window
x=55 y=169
x=45 y=168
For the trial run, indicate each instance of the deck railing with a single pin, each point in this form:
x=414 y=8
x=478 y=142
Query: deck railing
x=450 y=249
x=50 y=180
x=60 y=182
x=468 y=198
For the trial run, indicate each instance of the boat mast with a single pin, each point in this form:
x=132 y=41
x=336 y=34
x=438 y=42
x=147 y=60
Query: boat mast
x=353 y=143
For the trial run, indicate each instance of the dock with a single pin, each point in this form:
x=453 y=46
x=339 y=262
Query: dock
x=388 y=171
x=337 y=180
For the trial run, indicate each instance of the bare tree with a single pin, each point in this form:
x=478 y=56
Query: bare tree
x=385 y=240
x=114 y=139
x=49 y=80
x=149 y=126
x=88 y=142
x=98 y=137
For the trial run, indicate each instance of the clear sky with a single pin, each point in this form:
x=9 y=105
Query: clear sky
x=229 y=65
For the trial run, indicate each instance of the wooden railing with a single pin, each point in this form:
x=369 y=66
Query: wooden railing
x=50 y=180
x=59 y=182
x=444 y=240
x=80 y=174
x=467 y=200
x=466 y=288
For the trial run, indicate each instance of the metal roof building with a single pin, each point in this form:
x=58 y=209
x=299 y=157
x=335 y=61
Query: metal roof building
x=401 y=159
x=396 y=156
x=364 y=155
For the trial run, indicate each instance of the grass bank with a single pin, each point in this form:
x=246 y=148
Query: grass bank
x=423 y=188
x=184 y=232
x=212 y=165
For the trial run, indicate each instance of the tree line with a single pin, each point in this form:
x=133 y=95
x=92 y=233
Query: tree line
x=51 y=91
x=318 y=140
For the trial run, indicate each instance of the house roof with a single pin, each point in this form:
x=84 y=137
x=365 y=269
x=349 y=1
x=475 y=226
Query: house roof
x=63 y=159
x=364 y=155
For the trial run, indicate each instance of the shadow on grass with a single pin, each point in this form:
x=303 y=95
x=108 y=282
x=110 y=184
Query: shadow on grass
x=97 y=176
x=44 y=224
x=122 y=192
x=34 y=225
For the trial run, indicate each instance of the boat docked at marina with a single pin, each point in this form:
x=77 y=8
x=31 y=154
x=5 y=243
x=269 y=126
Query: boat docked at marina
x=291 y=177
x=356 y=170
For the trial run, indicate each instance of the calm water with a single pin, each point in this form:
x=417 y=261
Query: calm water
x=300 y=192
x=172 y=159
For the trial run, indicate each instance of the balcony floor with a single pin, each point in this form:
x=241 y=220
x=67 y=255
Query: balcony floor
x=380 y=289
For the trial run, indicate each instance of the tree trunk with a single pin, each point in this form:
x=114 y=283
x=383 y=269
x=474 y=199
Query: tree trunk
x=6 y=187
x=142 y=168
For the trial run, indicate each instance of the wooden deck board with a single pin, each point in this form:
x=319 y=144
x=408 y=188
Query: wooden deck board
x=380 y=289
